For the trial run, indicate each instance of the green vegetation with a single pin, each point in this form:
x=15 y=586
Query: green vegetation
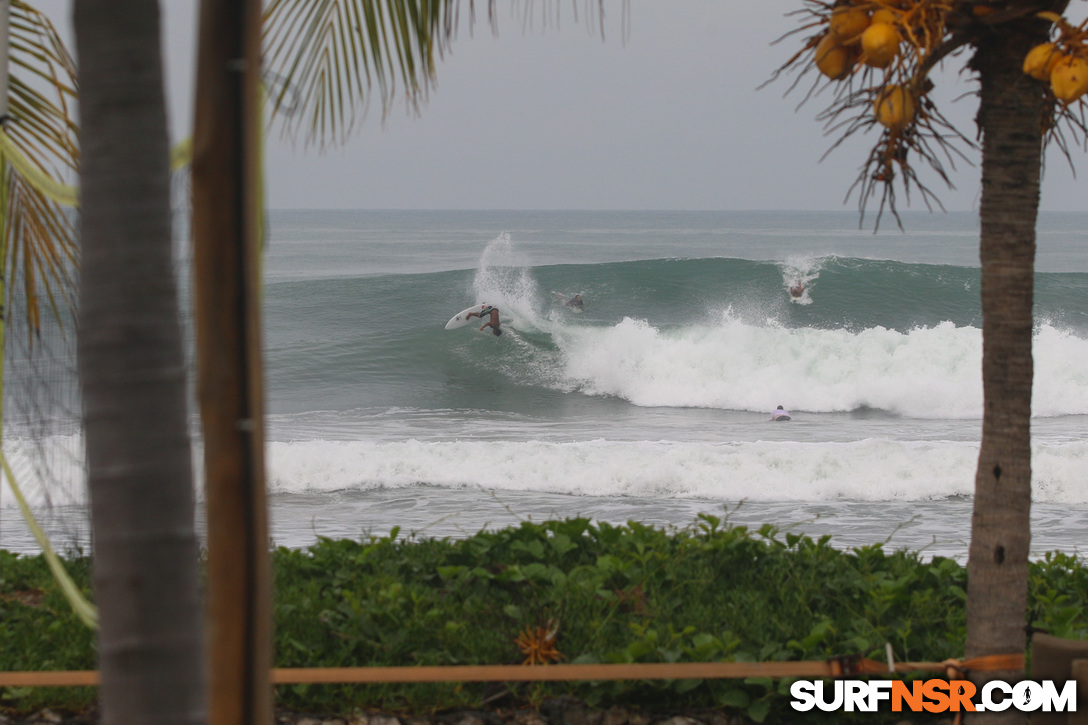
x=629 y=593
x=39 y=630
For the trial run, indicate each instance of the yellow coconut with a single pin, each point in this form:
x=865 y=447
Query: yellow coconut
x=833 y=59
x=848 y=22
x=1069 y=78
x=884 y=15
x=1040 y=61
x=894 y=108
x=880 y=43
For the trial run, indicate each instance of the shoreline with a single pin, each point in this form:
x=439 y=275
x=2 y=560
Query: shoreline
x=930 y=528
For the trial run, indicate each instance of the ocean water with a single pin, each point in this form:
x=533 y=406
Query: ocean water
x=653 y=404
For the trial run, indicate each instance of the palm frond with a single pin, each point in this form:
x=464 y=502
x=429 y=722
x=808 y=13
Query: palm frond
x=43 y=88
x=39 y=231
x=327 y=55
x=325 y=59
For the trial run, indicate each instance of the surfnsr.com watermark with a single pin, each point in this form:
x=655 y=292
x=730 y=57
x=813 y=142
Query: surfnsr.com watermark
x=934 y=695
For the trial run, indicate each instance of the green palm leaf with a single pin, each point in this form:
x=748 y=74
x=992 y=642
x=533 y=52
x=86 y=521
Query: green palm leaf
x=324 y=59
x=326 y=56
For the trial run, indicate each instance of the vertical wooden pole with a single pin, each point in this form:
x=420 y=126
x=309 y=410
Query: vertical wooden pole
x=225 y=182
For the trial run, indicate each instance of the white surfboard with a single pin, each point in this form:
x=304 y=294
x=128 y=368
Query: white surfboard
x=461 y=318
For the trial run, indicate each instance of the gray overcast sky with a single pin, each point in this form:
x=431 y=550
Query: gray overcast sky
x=558 y=119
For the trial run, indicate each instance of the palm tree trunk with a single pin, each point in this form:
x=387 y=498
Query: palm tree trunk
x=1010 y=114
x=132 y=372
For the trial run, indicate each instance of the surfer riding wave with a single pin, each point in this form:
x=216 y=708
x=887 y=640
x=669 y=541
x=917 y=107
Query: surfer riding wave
x=493 y=319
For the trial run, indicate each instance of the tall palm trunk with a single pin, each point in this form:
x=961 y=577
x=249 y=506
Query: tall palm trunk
x=1010 y=114
x=133 y=376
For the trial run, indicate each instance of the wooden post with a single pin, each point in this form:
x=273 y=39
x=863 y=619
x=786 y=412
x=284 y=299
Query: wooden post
x=1078 y=670
x=1054 y=658
x=226 y=214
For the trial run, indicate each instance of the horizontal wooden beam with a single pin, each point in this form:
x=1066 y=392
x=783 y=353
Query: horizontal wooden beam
x=838 y=667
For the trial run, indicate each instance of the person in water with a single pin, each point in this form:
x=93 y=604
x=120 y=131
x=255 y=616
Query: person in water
x=797 y=289
x=492 y=321
x=780 y=413
x=576 y=303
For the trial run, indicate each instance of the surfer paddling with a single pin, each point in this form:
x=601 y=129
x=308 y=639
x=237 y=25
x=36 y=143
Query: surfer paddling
x=780 y=414
x=492 y=321
x=575 y=303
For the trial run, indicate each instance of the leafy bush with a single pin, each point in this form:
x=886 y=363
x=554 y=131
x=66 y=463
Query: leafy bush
x=631 y=593
x=38 y=631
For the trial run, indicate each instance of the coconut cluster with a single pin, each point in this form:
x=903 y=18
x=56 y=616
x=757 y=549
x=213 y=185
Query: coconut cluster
x=1063 y=63
x=878 y=55
x=883 y=35
x=856 y=36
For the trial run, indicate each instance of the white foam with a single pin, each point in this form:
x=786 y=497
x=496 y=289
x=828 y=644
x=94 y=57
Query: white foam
x=867 y=470
x=803 y=270
x=931 y=372
x=503 y=279
x=48 y=472
x=1061 y=376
